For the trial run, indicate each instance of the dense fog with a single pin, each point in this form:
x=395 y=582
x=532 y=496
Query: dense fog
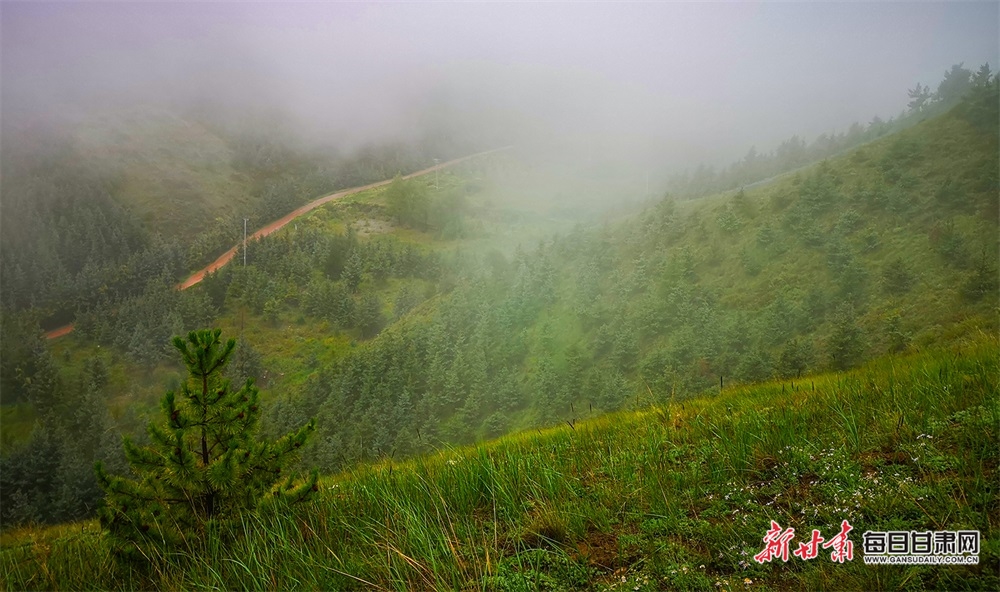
x=667 y=85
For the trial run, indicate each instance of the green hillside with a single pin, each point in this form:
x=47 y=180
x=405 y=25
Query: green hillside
x=678 y=496
x=457 y=307
x=465 y=306
x=879 y=251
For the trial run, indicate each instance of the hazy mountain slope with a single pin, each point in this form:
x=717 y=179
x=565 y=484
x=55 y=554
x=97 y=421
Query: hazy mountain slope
x=887 y=248
x=176 y=174
x=97 y=206
x=919 y=206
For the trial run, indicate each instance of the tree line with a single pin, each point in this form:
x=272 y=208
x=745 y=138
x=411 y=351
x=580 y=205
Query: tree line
x=957 y=83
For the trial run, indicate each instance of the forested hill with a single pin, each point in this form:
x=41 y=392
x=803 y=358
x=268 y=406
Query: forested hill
x=96 y=205
x=404 y=319
x=891 y=247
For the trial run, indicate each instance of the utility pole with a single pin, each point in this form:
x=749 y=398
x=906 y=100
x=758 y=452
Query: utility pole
x=243 y=307
x=436 y=185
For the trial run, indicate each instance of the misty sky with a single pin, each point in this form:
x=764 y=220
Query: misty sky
x=689 y=82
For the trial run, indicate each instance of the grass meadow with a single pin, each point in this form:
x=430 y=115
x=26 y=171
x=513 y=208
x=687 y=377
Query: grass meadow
x=671 y=497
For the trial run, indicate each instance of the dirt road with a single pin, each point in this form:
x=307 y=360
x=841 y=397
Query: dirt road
x=273 y=226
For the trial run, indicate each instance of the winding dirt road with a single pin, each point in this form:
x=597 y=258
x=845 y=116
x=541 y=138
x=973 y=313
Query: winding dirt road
x=277 y=224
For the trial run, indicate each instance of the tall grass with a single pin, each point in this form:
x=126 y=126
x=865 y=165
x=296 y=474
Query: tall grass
x=673 y=497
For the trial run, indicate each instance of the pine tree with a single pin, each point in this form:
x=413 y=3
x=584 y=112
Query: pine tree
x=353 y=271
x=206 y=466
x=848 y=343
x=919 y=96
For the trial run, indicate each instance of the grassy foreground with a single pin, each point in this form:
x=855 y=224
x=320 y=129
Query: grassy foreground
x=677 y=497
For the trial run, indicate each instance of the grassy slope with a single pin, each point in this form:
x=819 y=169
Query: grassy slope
x=676 y=497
